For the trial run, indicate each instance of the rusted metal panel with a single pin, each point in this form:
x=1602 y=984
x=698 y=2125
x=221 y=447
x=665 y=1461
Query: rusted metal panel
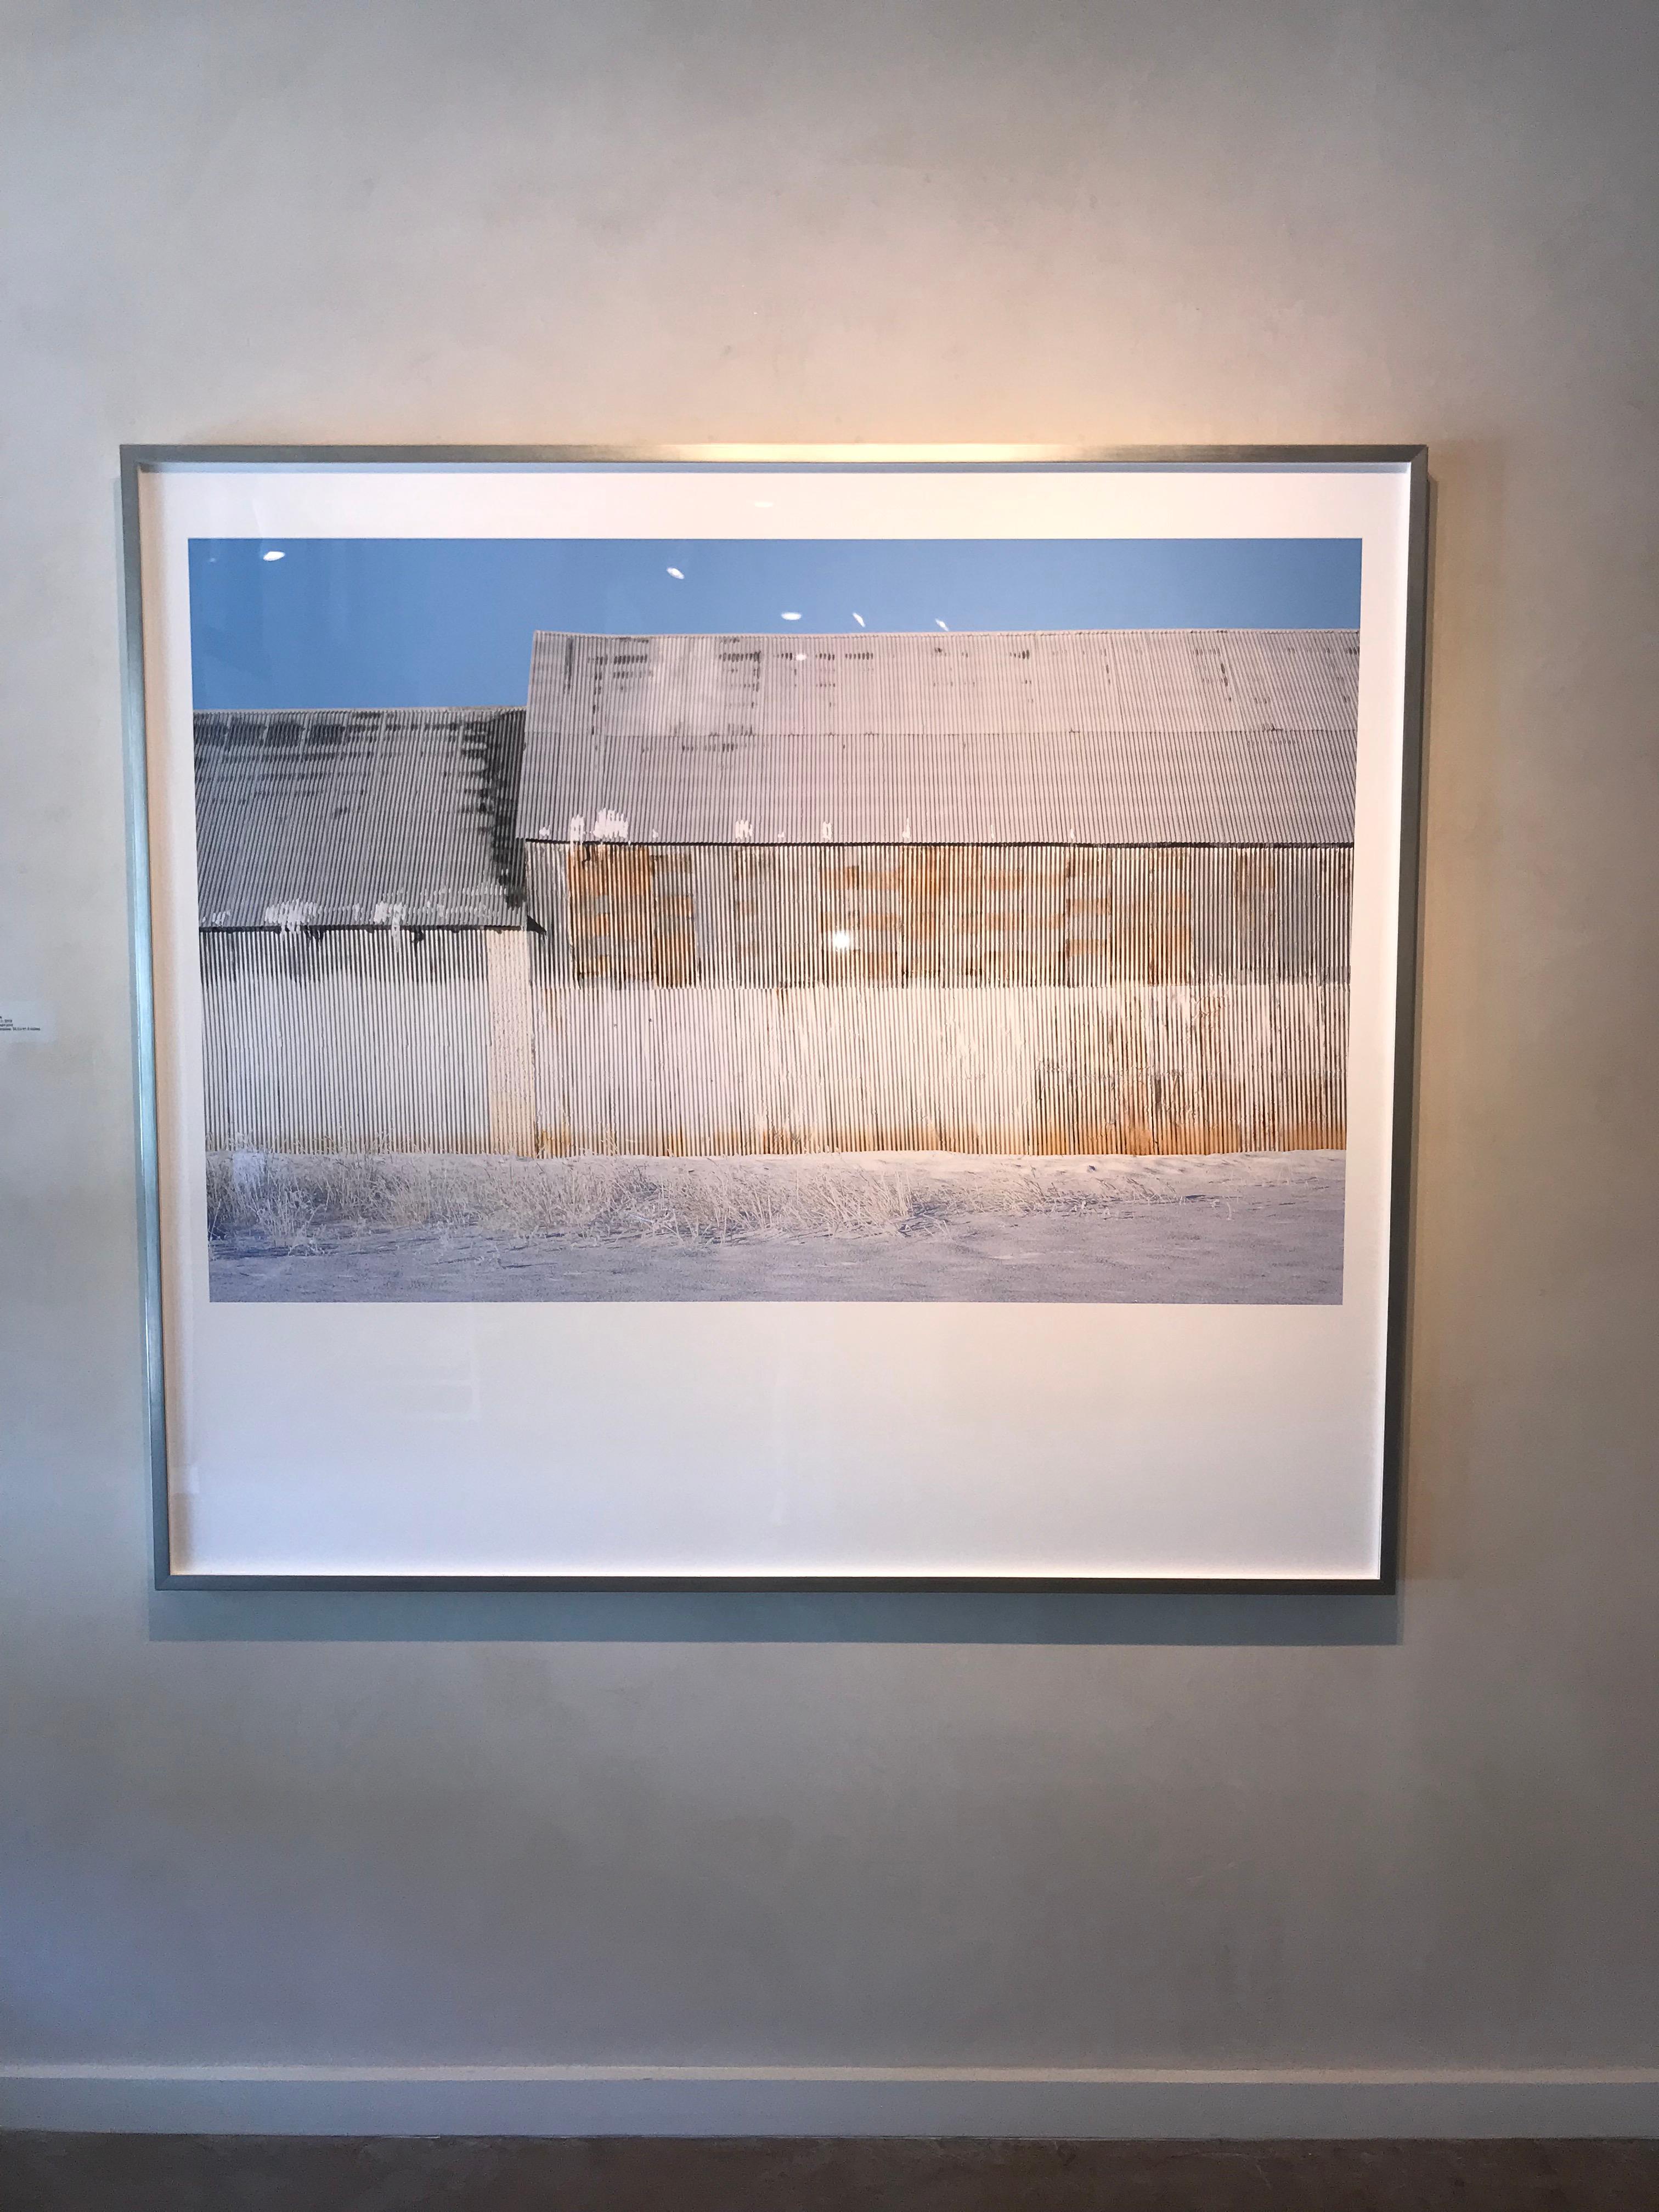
x=372 y=1041
x=1007 y=916
x=397 y=815
x=1019 y=999
x=1076 y=736
x=1244 y=1066
x=348 y=1040
x=356 y=1040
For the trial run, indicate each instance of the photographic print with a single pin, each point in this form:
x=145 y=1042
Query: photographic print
x=775 y=1018
x=837 y=950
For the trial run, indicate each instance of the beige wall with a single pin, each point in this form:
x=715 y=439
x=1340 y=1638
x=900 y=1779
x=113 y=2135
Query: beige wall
x=1125 y=1832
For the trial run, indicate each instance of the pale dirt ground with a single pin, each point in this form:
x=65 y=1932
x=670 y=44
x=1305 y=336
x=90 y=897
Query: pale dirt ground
x=1235 y=1228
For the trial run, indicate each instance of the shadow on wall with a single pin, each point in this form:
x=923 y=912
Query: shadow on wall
x=825 y=1616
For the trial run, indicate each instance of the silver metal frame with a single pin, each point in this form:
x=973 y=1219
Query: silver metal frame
x=136 y=461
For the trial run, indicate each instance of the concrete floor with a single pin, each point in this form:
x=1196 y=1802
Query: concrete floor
x=229 y=2173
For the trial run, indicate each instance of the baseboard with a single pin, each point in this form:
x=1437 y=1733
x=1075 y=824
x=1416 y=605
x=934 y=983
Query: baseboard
x=1077 y=2103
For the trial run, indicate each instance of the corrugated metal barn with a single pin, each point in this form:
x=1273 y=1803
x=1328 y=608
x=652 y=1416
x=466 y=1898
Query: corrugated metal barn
x=365 y=980
x=1055 y=892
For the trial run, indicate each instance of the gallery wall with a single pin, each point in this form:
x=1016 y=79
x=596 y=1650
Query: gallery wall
x=1118 y=1846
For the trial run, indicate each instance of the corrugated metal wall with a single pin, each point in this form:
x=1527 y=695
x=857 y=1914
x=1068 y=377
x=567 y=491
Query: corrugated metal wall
x=1001 y=916
x=511 y=1048
x=1002 y=999
x=724 y=1000
x=359 y=1040
x=1125 y=1067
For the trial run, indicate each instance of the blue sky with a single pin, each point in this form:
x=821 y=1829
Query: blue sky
x=447 y=622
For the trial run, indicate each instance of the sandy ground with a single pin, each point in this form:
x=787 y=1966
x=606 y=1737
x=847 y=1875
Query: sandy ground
x=1258 y=1228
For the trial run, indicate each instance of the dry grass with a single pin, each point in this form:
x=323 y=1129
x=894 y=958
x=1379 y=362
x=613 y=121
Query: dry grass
x=295 y=1199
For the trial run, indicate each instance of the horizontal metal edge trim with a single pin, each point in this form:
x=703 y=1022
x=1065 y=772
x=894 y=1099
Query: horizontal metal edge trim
x=872 y=457
x=911 y=1585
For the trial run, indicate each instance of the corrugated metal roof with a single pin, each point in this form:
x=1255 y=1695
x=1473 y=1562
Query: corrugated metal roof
x=1082 y=737
x=394 y=814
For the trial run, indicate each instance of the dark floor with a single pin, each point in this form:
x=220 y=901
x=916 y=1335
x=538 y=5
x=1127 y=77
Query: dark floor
x=231 y=2174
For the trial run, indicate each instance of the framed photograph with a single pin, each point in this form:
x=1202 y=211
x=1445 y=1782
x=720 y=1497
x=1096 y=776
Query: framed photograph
x=768 y=1017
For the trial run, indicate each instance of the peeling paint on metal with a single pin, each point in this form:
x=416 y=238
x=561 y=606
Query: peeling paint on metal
x=348 y=1040
x=1130 y=1067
